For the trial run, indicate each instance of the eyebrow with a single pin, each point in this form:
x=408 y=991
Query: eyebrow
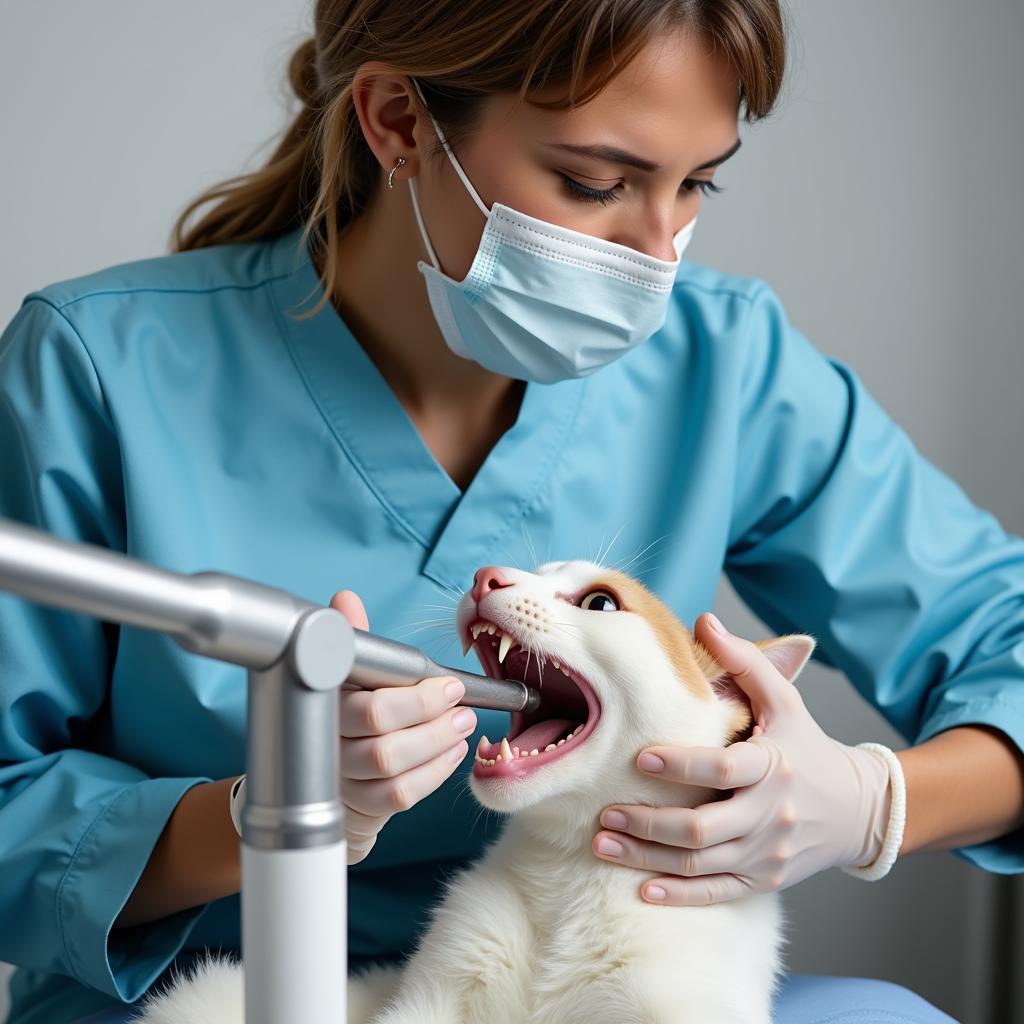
x=621 y=156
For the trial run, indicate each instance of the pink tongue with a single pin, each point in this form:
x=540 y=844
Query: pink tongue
x=540 y=734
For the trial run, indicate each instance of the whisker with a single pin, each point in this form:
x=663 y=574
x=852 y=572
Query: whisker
x=447 y=590
x=419 y=629
x=529 y=542
x=624 y=568
x=636 y=569
x=444 y=626
x=571 y=625
x=638 y=572
x=600 y=561
x=449 y=598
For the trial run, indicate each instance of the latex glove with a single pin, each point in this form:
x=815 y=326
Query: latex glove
x=801 y=801
x=398 y=744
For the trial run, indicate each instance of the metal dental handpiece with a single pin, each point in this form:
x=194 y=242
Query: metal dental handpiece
x=383 y=662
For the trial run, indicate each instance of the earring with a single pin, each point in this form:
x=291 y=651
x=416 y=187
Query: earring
x=400 y=162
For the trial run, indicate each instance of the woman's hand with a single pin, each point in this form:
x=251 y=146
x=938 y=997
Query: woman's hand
x=398 y=744
x=802 y=802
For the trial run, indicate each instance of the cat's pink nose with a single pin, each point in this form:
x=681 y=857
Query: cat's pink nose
x=487 y=579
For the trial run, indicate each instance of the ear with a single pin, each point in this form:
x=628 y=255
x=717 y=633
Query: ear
x=787 y=653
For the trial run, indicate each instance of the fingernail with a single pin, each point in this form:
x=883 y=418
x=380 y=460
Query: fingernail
x=614 y=819
x=609 y=847
x=655 y=892
x=651 y=763
x=464 y=720
x=716 y=625
x=457 y=753
x=454 y=691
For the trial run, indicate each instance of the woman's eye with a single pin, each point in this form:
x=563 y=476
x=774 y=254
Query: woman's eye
x=588 y=194
x=597 y=195
x=705 y=186
x=599 y=601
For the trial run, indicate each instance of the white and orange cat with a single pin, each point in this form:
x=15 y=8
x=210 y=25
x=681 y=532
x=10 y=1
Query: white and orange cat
x=541 y=930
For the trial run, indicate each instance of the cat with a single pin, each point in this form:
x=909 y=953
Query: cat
x=541 y=930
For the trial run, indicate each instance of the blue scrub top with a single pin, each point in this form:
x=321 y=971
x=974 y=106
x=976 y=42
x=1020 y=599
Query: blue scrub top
x=174 y=409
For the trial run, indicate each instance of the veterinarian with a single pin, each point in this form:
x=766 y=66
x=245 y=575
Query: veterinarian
x=437 y=321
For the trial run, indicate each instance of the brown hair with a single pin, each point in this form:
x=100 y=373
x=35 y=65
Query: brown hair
x=322 y=173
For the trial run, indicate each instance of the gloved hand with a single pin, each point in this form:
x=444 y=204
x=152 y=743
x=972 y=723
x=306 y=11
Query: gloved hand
x=802 y=802
x=398 y=744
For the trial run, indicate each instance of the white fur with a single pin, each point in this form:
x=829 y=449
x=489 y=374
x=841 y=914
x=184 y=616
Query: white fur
x=541 y=930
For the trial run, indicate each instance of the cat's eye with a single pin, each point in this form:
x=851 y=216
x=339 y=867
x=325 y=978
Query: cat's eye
x=599 y=601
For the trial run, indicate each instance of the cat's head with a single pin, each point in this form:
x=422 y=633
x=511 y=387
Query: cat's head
x=617 y=672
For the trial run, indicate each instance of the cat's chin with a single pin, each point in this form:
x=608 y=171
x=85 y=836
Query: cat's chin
x=511 y=795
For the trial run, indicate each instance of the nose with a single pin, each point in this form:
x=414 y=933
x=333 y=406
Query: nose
x=656 y=244
x=488 y=578
x=653 y=235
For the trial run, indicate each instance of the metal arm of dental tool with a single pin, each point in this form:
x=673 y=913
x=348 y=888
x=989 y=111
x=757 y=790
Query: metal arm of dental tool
x=212 y=613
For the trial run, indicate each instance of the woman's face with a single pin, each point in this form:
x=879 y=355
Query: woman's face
x=674 y=109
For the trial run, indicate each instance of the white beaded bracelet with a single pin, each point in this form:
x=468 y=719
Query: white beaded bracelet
x=897 y=819
x=235 y=801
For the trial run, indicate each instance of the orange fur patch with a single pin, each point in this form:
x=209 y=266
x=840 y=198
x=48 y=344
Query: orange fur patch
x=692 y=663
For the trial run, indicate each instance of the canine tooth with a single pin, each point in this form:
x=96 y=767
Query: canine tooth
x=506 y=643
x=506 y=749
x=534 y=752
x=555 y=663
x=466 y=644
x=550 y=746
x=484 y=742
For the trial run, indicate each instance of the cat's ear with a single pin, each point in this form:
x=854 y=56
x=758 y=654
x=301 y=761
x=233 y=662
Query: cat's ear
x=787 y=653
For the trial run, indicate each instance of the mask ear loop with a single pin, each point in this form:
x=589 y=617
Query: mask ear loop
x=451 y=156
x=419 y=221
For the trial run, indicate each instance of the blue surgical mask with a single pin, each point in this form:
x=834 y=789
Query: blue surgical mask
x=542 y=302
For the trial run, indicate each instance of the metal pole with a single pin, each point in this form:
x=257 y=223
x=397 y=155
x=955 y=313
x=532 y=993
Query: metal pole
x=293 y=851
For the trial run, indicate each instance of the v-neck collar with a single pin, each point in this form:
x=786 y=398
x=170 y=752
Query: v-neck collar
x=459 y=531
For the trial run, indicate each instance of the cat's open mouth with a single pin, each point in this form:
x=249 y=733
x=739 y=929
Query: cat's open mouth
x=569 y=709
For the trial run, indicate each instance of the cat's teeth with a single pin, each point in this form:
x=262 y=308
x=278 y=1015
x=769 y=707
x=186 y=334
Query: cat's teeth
x=576 y=730
x=466 y=644
x=506 y=750
x=475 y=629
x=534 y=752
x=506 y=643
x=559 y=743
x=555 y=663
x=550 y=746
x=491 y=627
x=484 y=742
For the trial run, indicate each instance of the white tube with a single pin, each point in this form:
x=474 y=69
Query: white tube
x=294 y=934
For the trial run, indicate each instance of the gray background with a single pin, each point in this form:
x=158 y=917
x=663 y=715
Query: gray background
x=882 y=201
